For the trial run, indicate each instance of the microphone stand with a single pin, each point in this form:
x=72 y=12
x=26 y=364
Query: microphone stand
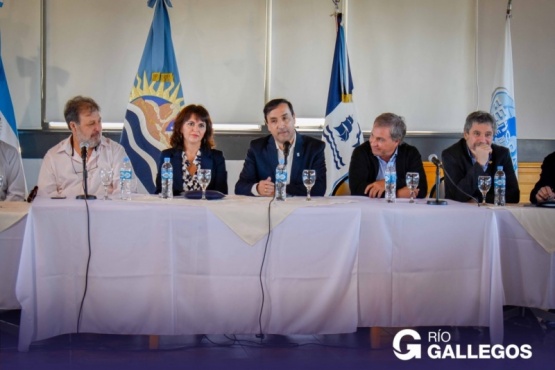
x=437 y=201
x=85 y=175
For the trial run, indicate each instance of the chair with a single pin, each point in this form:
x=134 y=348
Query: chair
x=441 y=189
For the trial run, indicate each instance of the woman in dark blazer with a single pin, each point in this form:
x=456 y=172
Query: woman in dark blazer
x=192 y=144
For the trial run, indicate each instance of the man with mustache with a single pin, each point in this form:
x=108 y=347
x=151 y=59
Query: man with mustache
x=259 y=170
x=61 y=172
x=474 y=155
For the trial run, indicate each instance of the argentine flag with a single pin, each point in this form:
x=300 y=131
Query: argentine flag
x=8 y=127
x=503 y=97
x=342 y=131
x=155 y=100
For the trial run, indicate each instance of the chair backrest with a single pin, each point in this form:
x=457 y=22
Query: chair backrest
x=441 y=189
x=343 y=189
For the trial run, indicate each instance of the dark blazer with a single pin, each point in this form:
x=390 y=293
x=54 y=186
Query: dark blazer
x=213 y=160
x=458 y=165
x=547 y=177
x=262 y=160
x=364 y=168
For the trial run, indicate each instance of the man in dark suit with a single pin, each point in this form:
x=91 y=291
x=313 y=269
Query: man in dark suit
x=259 y=170
x=370 y=159
x=474 y=155
x=543 y=191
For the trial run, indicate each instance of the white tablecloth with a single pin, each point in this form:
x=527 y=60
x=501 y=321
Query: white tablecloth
x=423 y=265
x=528 y=270
x=169 y=268
x=11 y=240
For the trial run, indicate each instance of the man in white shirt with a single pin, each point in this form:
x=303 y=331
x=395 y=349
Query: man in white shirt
x=13 y=180
x=61 y=173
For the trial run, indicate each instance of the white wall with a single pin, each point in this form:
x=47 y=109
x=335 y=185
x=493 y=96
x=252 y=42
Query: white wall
x=414 y=57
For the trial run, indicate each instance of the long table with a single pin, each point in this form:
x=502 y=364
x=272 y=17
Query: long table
x=170 y=268
x=175 y=267
x=528 y=269
x=12 y=227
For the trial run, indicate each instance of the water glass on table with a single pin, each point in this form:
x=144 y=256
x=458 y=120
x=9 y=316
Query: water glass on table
x=412 y=179
x=309 y=179
x=484 y=183
x=204 y=176
x=106 y=178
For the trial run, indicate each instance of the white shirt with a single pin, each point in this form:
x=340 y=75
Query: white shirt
x=61 y=173
x=13 y=186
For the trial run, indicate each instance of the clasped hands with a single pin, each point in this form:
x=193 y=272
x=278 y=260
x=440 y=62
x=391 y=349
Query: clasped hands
x=481 y=153
x=545 y=194
x=377 y=188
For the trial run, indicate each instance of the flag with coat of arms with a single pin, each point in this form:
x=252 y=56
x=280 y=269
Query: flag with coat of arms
x=342 y=131
x=503 y=97
x=155 y=100
x=8 y=127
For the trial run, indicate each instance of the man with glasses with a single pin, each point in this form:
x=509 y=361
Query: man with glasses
x=385 y=146
x=475 y=155
x=258 y=174
x=61 y=173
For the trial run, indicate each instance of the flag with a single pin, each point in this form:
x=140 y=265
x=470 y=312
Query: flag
x=8 y=127
x=342 y=130
x=502 y=100
x=155 y=100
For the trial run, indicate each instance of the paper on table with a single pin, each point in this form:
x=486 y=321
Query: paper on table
x=11 y=212
x=538 y=223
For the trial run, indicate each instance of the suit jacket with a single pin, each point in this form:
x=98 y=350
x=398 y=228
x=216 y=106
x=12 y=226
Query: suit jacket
x=364 y=168
x=547 y=177
x=262 y=160
x=212 y=159
x=457 y=163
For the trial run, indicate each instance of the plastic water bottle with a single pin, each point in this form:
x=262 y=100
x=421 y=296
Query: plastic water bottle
x=167 y=179
x=499 y=187
x=281 y=181
x=390 y=182
x=125 y=175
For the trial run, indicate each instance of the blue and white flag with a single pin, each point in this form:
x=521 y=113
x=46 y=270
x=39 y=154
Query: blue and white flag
x=503 y=97
x=342 y=131
x=8 y=127
x=156 y=99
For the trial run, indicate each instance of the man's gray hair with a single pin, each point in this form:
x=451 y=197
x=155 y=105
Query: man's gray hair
x=396 y=124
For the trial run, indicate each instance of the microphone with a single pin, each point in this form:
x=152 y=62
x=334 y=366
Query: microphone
x=437 y=202
x=84 y=145
x=435 y=160
x=286 y=147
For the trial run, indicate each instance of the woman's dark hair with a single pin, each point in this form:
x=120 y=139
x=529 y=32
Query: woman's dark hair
x=177 y=141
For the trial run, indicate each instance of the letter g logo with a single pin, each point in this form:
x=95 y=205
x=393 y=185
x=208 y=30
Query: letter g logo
x=413 y=350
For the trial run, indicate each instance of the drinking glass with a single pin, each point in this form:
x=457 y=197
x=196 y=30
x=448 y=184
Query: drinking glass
x=106 y=175
x=204 y=177
x=412 y=179
x=484 y=183
x=309 y=178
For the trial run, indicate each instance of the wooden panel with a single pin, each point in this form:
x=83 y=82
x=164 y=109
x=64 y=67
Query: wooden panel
x=528 y=175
